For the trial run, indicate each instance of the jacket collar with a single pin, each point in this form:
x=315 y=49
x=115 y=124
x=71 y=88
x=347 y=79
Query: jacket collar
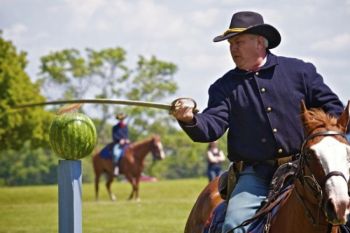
x=270 y=62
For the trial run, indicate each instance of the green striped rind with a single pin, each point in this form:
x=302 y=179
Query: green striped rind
x=72 y=136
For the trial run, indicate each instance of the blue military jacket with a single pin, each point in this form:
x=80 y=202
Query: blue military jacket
x=120 y=131
x=261 y=110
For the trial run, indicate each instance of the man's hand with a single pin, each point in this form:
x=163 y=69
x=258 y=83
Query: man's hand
x=183 y=109
x=122 y=141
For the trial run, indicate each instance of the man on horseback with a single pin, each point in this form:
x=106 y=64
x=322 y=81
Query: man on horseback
x=120 y=135
x=259 y=103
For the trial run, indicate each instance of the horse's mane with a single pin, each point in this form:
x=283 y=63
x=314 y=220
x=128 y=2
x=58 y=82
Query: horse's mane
x=317 y=118
x=136 y=144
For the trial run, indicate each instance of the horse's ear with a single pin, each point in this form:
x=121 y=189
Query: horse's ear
x=304 y=112
x=343 y=120
x=303 y=108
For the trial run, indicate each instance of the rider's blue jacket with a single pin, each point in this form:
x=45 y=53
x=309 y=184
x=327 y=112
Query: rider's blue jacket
x=261 y=109
x=120 y=131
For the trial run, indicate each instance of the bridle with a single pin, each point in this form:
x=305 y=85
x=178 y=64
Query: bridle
x=305 y=154
x=155 y=150
x=315 y=186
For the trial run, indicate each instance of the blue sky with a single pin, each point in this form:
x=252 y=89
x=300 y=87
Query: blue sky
x=181 y=32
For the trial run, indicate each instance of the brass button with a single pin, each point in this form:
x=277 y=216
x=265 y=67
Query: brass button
x=263 y=89
x=268 y=109
x=274 y=130
x=280 y=150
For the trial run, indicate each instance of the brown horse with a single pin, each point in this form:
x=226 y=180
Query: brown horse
x=131 y=165
x=201 y=212
x=318 y=200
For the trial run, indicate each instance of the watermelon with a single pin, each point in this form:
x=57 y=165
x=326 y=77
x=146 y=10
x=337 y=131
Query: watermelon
x=72 y=135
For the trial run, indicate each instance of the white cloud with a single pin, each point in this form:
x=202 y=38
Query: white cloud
x=151 y=20
x=102 y=25
x=334 y=44
x=205 y=19
x=15 y=32
x=83 y=11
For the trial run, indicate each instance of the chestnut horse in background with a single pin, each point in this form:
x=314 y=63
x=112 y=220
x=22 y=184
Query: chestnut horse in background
x=318 y=200
x=131 y=165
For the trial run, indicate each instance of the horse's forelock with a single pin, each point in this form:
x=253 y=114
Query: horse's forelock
x=317 y=118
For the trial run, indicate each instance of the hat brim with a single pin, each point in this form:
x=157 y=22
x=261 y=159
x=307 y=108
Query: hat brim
x=265 y=30
x=122 y=117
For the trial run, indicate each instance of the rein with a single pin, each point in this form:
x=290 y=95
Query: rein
x=315 y=186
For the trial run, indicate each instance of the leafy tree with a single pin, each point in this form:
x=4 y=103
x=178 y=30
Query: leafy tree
x=18 y=126
x=27 y=166
x=24 y=157
x=75 y=76
x=152 y=80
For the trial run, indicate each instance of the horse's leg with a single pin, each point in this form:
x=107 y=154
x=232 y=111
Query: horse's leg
x=97 y=180
x=108 y=186
x=137 y=182
x=133 y=188
x=132 y=194
x=98 y=171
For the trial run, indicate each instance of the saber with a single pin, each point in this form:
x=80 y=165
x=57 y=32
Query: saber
x=169 y=107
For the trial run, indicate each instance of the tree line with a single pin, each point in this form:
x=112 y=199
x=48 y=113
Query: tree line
x=25 y=154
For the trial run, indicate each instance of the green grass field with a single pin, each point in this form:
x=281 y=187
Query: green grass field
x=163 y=208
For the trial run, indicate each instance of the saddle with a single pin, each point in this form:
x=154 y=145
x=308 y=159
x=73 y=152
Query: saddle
x=280 y=189
x=113 y=151
x=107 y=151
x=228 y=179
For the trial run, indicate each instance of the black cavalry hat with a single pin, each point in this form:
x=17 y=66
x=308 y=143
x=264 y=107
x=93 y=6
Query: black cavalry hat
x=253 y=23
x=120 y=116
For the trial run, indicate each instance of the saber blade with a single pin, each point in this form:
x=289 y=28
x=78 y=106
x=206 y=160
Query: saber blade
x=99 y=101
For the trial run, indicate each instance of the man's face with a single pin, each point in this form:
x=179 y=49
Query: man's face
x=246 y=50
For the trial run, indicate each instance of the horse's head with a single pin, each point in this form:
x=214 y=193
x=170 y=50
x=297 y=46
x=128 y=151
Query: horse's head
x=157 y=148
x=325 y=160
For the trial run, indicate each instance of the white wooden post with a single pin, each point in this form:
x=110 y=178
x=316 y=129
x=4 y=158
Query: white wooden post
x=69 y=196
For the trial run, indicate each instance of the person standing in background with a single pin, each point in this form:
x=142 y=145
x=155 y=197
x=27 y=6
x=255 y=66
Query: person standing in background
x=215 y=157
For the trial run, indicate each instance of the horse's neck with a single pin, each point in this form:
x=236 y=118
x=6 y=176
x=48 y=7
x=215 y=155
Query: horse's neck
x=300 y=212
x=141 y=149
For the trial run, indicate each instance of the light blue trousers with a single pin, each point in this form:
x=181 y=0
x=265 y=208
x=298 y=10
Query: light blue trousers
x=251 y=189
x=117 y=153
